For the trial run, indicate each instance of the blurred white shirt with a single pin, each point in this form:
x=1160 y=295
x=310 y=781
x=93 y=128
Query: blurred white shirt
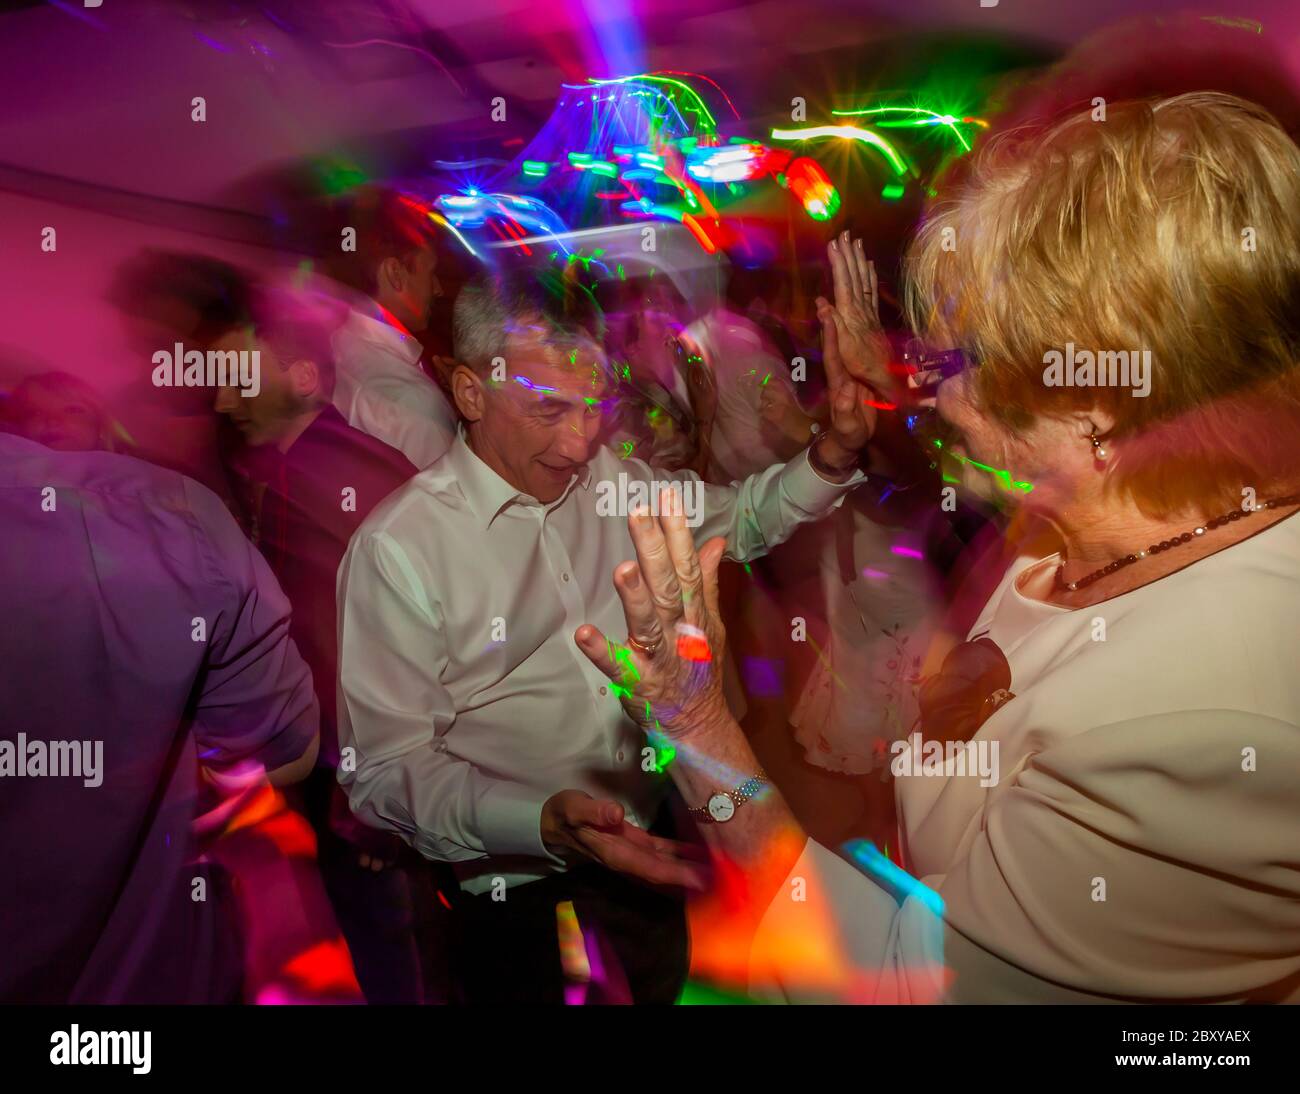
x=380 y=389
x=742 y=358
x=462 y=691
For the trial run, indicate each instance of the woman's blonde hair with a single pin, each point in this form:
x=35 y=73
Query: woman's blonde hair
x=1171 y=226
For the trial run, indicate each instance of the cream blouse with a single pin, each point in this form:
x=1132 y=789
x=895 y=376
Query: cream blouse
x=1142 y=840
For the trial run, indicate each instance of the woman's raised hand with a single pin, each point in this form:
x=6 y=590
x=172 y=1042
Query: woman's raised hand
x=854 y=319
x=668 y=672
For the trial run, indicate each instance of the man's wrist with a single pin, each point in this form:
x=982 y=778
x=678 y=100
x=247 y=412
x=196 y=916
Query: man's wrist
x=554 y=836
x=830 y=459
x=800 y=428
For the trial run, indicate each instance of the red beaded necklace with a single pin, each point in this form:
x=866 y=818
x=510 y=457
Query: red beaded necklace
x=1168 y=544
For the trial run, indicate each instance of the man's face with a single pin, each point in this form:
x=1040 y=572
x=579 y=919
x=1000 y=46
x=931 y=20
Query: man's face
x=659 y=316
x=268 y=416
x=538 y=425
x=60 y=420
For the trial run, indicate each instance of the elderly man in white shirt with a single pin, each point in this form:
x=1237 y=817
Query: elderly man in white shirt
x=391 y=278
x=480 y=733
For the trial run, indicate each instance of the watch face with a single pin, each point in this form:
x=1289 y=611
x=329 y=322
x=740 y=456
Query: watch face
x=721 y=808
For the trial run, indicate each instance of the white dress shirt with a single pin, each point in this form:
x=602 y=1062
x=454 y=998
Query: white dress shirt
x=380 y=389
x=462 y=691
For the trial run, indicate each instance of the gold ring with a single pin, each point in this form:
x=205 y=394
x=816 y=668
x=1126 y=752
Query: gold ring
x=648 y=651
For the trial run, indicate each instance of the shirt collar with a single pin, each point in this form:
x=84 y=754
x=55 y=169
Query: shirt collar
x=486 y=492
x=367 y=318
x=370 y=326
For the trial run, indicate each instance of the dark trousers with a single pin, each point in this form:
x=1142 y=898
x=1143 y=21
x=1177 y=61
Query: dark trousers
x=378 y=913
x=508 y=951
x=394 y=924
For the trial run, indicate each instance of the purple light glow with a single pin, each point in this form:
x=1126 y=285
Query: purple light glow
x=763 y=677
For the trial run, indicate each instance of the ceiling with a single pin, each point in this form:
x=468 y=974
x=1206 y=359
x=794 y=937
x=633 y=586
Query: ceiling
x=102 y=97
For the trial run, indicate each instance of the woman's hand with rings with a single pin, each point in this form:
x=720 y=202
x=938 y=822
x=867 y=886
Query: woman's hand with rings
x=669 y=672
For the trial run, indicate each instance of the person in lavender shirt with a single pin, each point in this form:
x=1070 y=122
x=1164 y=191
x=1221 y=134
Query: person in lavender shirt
x=146 y=657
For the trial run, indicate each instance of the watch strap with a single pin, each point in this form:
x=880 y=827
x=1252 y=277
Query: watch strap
x=746 y=791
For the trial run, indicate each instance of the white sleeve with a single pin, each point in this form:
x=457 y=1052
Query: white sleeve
x=756 y=514
x=834 y=935
x=1151 y=860
x=394 y=712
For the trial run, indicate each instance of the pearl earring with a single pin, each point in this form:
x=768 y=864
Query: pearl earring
x=1098 y=452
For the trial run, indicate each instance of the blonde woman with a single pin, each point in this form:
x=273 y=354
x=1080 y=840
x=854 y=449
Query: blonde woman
x=1135 y=840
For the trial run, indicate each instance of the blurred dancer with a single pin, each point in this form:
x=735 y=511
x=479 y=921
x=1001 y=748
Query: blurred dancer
x=382 y=249
x=60 y=411
x=882 y=574
x=665 y=403
x=165 y=297
x=311 y=479
x=745 y=365
x=144 y=641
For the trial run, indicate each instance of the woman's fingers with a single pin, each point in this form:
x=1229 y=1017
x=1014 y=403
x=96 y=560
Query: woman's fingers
x=643 y=622
x=862 y=272
x=681 y=549
x=600 y=651
x=874 y=286
x=710 y=559
x=664 y=587
x=657 y=568
x=841 y=282
x=857 y=284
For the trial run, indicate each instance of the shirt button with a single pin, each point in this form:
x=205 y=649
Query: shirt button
x=565 y=576
x=604 y=691
x=621 y=756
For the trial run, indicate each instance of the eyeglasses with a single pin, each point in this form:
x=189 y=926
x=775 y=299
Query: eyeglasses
x=931 y=367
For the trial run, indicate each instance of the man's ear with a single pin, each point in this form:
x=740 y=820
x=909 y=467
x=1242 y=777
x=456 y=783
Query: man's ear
x=391 y=276
x=444 y=367
x=304 y=378
x=469 y=393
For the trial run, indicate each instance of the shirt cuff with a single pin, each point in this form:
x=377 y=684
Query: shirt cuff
x=510 y=820
x=808 y=491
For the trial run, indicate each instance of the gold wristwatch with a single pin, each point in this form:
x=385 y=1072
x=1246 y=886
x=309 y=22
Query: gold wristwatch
x=722 y=806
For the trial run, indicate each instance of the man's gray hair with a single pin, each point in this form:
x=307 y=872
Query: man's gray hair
x=487 y=309
x=478 y=325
